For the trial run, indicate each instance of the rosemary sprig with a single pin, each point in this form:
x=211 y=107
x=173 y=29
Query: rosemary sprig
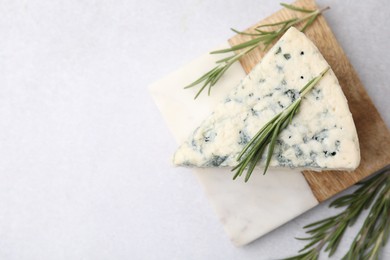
x=253 y=151
x=327 y=233
x=261 y=37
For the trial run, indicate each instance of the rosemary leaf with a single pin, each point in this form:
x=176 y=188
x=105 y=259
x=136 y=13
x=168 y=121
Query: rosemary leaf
x=309 y=22
x=295 y=8
x=271 y=147
x=278 y=23
x=245 y=33
x=263 y=32
x=240 y=46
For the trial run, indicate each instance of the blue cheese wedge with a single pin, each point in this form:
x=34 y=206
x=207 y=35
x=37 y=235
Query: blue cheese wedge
x=321 y=136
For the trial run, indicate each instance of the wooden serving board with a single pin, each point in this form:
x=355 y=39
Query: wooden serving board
x=372 y=130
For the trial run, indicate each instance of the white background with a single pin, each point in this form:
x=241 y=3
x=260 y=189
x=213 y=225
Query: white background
x=84 y=152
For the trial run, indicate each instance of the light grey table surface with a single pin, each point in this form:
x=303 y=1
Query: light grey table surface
x=84 y=169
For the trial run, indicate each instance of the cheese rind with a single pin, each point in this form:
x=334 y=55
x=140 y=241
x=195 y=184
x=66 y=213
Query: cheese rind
x=321 y=136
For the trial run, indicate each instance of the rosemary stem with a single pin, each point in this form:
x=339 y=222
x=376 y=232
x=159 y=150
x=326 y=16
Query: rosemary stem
x=374 y=232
